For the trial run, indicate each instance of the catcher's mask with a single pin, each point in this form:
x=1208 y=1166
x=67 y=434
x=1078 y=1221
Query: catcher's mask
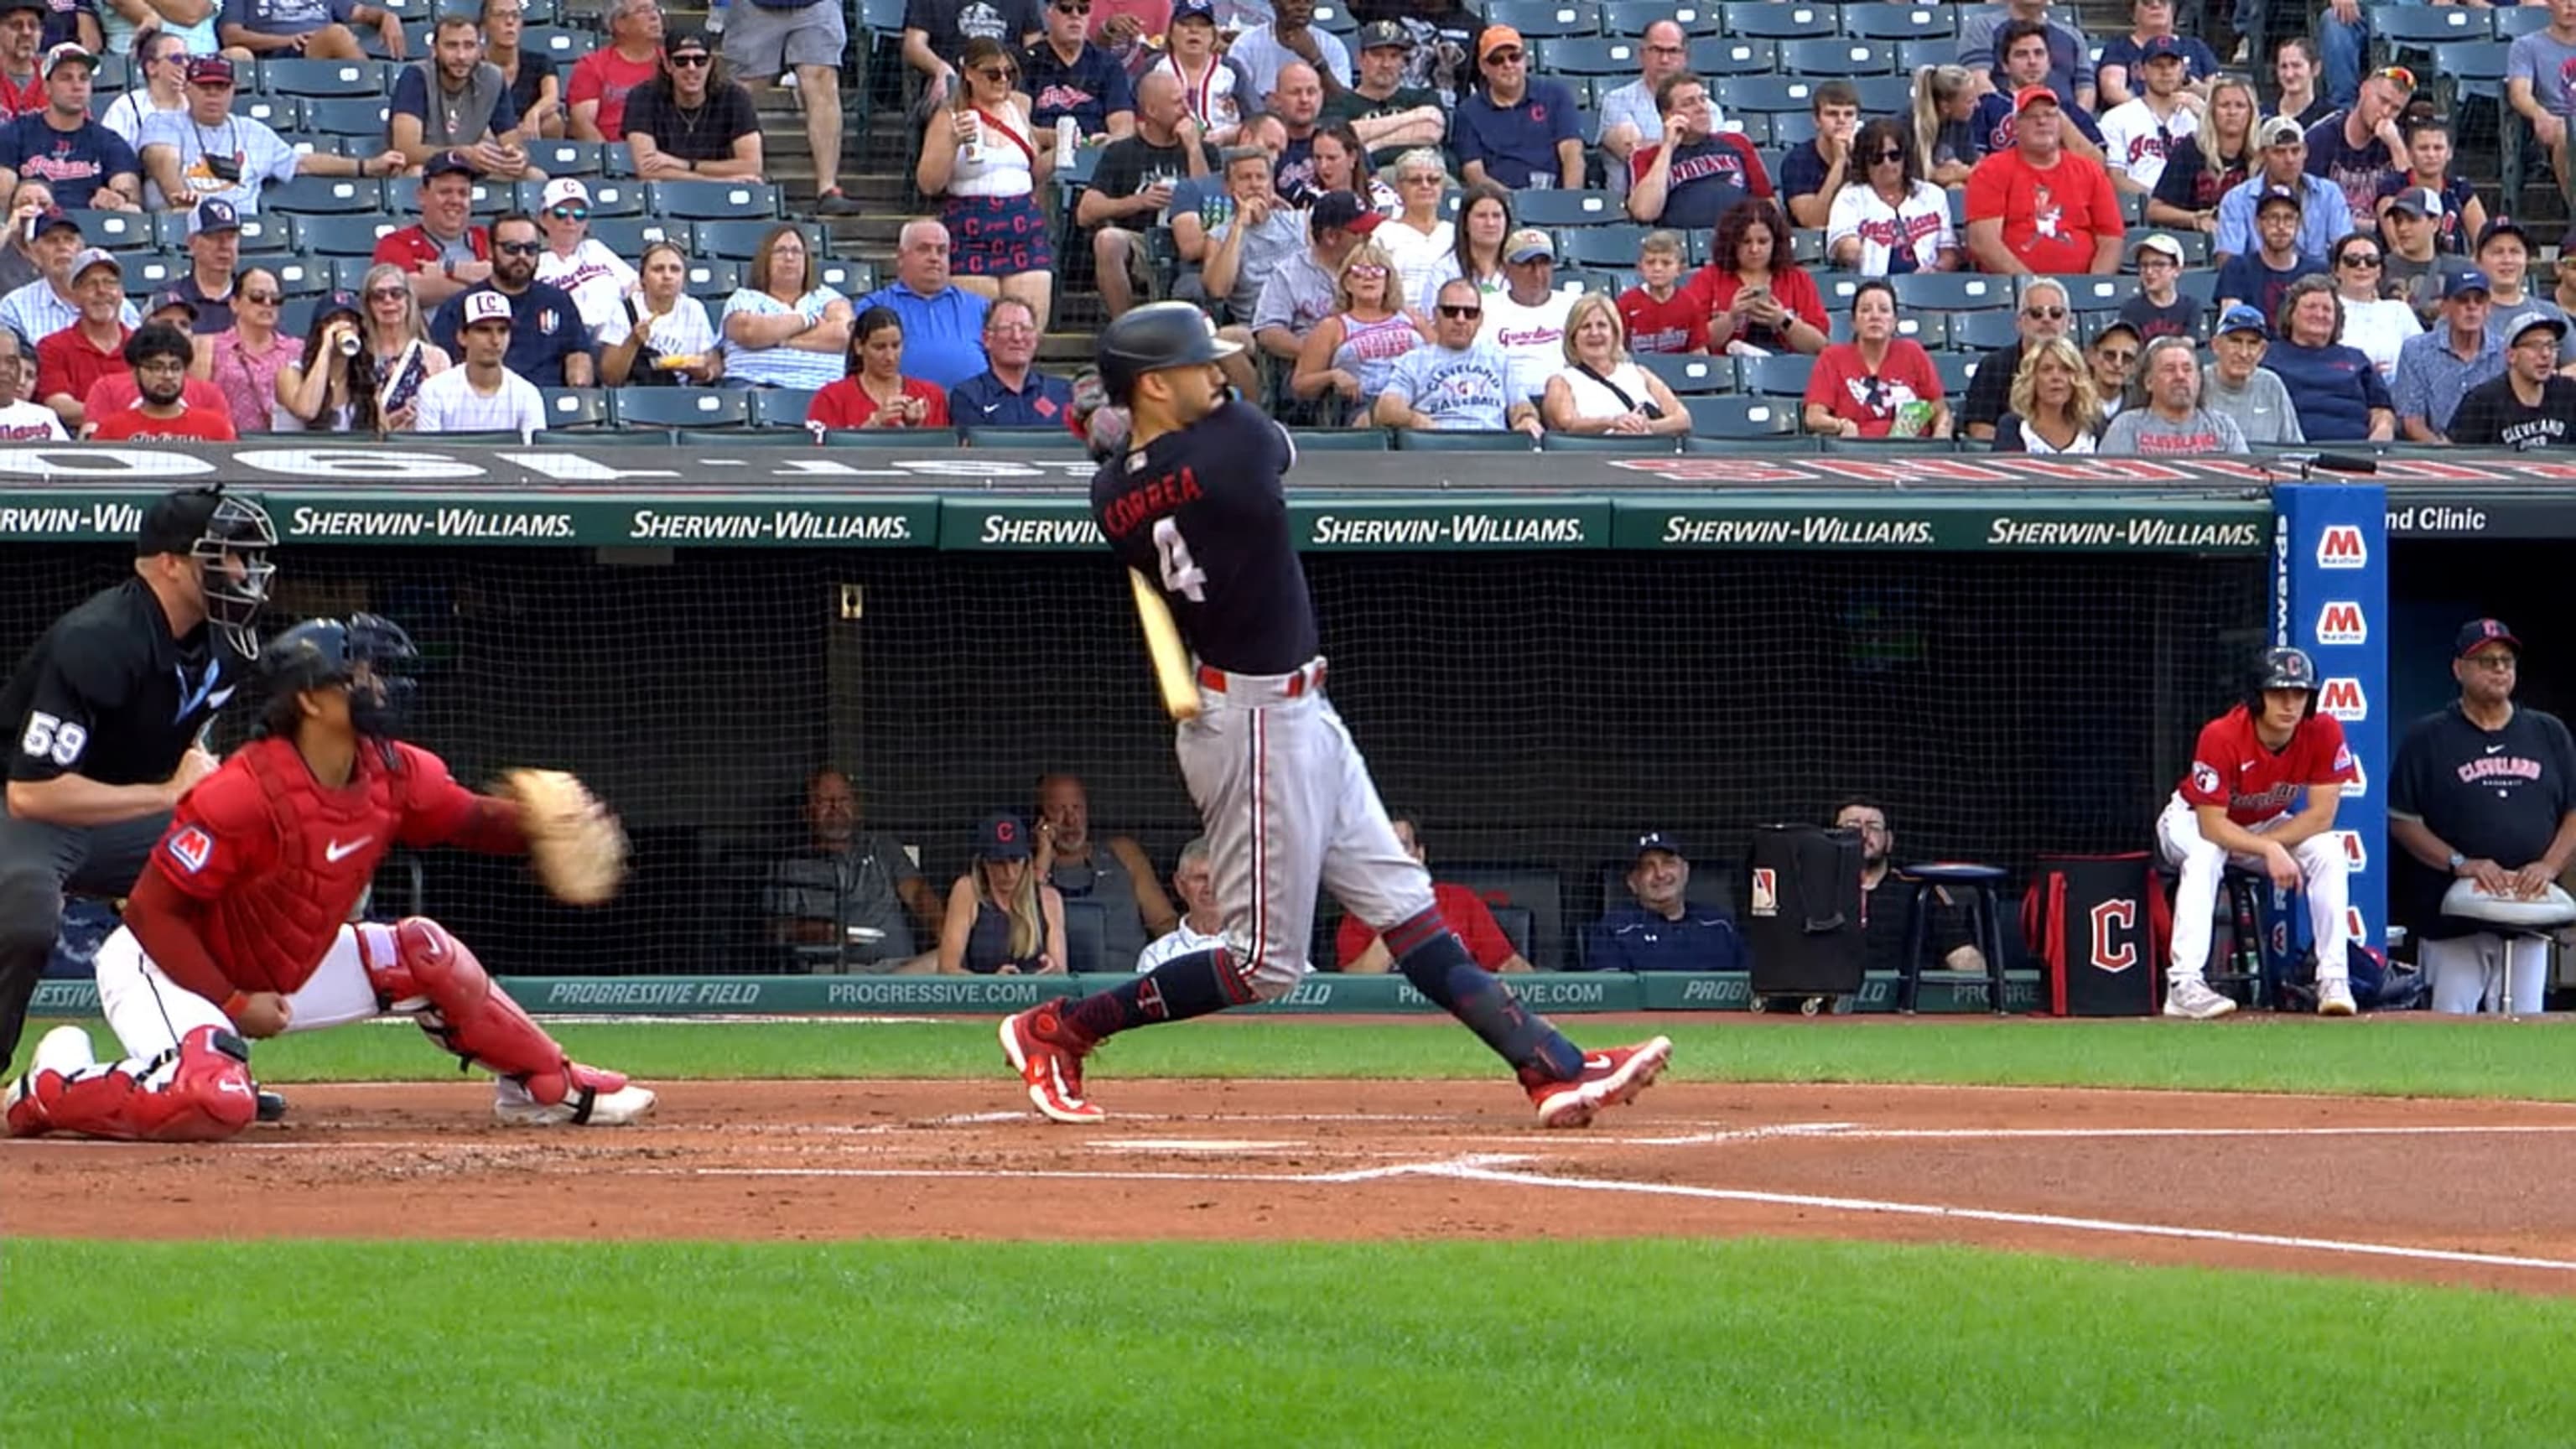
x=368 y=655
x=227 y=537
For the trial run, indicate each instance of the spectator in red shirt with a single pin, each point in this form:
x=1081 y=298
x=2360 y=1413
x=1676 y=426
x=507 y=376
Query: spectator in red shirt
x=1750 y=289
x=445 y=252
x=1659 y=313
x=876 y=394
x=1362 y=952
x=1878 y=385
x=159 y=354
x=2038 y=208
x=68 y=362
x=596 y=94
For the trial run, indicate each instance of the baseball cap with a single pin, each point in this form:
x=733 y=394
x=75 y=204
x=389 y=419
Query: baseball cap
x=688 y=40
x=2525 y=321
x=2286 y=195
x=209 y=70
x=2159 y=242
x=169 y=297
x=1654 y=840
x=2504 y=226
x=2421 y=200
x=54 y=216
x=561 y=190
x=2483 y=631
x=1002 y=837
x=174 y=521
x=2242 y=318
x=2163 y=47
x=447 y=163
x=338 y=301
x=93 y=256
x=68 y=51
x=2282 y=131
x=486 y=306
x=1342 y=211
x=1528 y=245
x=10 y=6
x=213 y=214
x=2029 y=96
x=1495 y=38
x=2466 y=282
x=1385 y=34
x=1194 y=10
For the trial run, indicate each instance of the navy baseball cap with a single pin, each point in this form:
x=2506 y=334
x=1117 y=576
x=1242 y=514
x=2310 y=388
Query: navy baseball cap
x=2466 y=282
x=1654 y=840
x=447 y=163
x=1194 y=10
x=169 y=297
x=214 y=214
x=330 y=302
x=54 y=216
x=2479 y=632
x=2504 y=226
x=2417 y=201
x=2243 y=318
x=1002 y=837
x=2163 y=47
x=2286 y=195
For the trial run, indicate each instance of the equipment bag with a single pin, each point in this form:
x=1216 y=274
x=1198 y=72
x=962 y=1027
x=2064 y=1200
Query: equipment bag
x=1803 y=922
x=2102 y=925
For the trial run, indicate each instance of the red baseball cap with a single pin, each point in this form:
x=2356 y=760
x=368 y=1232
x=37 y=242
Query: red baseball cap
x=2029 y=96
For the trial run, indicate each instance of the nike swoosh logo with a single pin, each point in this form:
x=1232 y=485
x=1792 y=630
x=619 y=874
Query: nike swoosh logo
x=336 y=852
x=990 y=407
x=1596 y=1064
x=2491 y=749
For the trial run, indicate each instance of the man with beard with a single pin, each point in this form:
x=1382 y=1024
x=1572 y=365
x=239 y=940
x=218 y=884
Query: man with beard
x=457 y=101
x=159 y=355
x=548 y=344
x=1887 y=898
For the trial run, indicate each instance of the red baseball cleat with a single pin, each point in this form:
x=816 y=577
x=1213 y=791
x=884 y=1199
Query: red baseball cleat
x=1610 y=1077
x=1038 y=1047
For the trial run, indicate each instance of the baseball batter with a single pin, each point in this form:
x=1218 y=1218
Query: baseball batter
x=2247 y=771
x=238 y=925
x=1195 y=504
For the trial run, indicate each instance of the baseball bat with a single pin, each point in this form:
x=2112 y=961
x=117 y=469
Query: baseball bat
x=1163 y=643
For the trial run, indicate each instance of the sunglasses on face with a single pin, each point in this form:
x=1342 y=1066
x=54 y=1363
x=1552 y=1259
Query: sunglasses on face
x=1367 y=269
x=518 y=249
x=995 y=74
x=1460 y=313
x=1073 y=7
x=387 y=294
x=2047 y=314
x=261 y=299
x=569 y=213
x=2360 y=260
x=691 y=59
x=1504 y=57
x=1884 y=157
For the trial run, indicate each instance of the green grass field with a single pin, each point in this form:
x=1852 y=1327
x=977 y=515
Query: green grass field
x=1748 y=1342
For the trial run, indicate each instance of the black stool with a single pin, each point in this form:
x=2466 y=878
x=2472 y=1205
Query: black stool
x=2250 y=965
x=1979 y=889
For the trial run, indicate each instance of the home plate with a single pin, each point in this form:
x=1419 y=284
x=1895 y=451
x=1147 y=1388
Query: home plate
x=1195 y=1144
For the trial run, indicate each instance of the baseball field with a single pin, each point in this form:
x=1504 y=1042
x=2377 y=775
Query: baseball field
x=1850 y=1232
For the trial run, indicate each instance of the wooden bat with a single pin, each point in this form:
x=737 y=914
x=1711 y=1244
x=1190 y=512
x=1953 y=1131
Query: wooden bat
x=1163 y=642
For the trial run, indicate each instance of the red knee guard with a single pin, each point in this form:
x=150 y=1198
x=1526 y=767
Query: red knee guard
x=423 y=969
x=207 y=1097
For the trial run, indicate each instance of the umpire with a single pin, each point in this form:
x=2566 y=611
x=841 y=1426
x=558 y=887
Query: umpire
x=105 y=713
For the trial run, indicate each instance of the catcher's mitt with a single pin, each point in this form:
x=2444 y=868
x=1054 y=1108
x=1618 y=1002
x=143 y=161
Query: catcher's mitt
x=573 y=844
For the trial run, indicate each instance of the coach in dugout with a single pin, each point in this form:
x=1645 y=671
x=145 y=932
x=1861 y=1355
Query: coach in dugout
x=2484 y=790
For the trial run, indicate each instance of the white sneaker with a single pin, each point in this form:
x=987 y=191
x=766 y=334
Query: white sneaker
x=2194 y=999
x=2334 y=996
x=65 y=1049
x=512 y=1104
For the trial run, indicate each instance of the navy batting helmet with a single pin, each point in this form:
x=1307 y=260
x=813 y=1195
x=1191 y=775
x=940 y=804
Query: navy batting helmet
x=1154 y=337
x=2281 y=668
x=326 y=653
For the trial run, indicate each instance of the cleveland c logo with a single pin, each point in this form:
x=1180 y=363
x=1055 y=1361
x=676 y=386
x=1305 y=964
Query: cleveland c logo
x=2113 y=923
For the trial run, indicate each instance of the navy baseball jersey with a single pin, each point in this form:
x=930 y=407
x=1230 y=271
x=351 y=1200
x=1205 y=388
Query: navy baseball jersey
x=1202 y=514
x=2491 y=795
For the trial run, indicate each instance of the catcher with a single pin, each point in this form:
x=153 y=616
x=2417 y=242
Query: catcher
x=239 y=927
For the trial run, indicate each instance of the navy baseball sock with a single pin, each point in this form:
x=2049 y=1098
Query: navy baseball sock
x=1437 y=964
x=1185 y=986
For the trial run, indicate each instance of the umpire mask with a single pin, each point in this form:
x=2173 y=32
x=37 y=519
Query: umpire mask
x=233 y=571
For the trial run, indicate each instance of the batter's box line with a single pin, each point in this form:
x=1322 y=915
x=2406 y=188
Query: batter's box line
x=1482 y=1161
x=2104 y=1226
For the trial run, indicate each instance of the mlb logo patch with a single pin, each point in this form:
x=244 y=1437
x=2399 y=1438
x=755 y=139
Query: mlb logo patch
x=192 y=847
x=1766 y=891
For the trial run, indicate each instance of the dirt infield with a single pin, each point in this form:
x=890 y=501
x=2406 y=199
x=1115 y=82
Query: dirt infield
x=2462 y=1192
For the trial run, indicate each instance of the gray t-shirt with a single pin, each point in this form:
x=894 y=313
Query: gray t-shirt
x=2143 y=433
x=2260 y=409
x=263 y=157
x=2540 y=59
x=1264 y=248
x=861 y=886
x=1460 y=390
x=2502 y=315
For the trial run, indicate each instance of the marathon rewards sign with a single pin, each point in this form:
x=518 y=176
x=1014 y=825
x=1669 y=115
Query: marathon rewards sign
x=2330 y=597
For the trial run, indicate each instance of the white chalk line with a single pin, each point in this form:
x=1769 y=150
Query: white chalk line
x=1475 y=1161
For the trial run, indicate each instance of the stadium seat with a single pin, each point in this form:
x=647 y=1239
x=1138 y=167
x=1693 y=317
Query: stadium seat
x=1837 y=288
x=1781 y=375
x=1553 y=209
x=712 y=281
x=117 y=231
x=2094 y=294
x=2416 y=29
x=847 y=277
x=564 y=158
x=1417 y=440
x=1770 y=20
x=780 y=407
x=2516 y=21
x=347 y=274
x=1957 y=369
x=1590 y=55
x=2199 y=284
x=1037 y=440
x=151 y=271
x=300 y=77
x=1630 y=18
x=1776 y=94
x=1721 y=55
x=738 y=437
x=887 y=439
x=1984 y=331
x=712 y=200
x=1690 y=373
x=1339 y=440
x=297 y=275
x=1838 y=56
x=1740 y=418
x=540 y=12
x=1545 y=19
x=2472 y=67
x=1335 y=19
x=363 y=116
x=295 y=317
x=681 y=407
x=575 y=407
x=1613 y=246
x=628 y=235
x=1592 y=279
x=1928 y=330
x=555 y=43
x=1884 y=95
x=1518 y=925
x=1913 y=55
x=344 y=236
x=607 y=198
x=416 y=42
x=615 y=159
x=1952 y=291
x=1609 y=443
x=1876 y=21
x=739 y=240
x=282 y=114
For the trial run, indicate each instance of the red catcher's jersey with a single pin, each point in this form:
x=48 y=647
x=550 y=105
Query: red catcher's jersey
x=2231 y=767
x=280 y=861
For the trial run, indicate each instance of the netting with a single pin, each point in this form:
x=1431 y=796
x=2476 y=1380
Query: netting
x=1532 y=710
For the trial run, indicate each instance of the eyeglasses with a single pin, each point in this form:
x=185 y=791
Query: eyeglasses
x=1366 y=269
x=518 y=249
x=1421 y=180
x=2044 y=314
x=2359 y=260
x=1667 y=50
x=569 y=213
x=387 y=294
x=2496 y=663
x=1460 y=313
x=2118 y=357
x=161 y=364
x=263 y=299
x=691 y=60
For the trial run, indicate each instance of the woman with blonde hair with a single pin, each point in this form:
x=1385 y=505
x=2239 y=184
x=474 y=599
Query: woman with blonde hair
x=332 y=386
x=1351 y=352
x=1600 y=389
x=1945 y=145
x=1002 y=920
x=2055 y=408
x=985 y=156
x=391 y=320
x=2210 y=162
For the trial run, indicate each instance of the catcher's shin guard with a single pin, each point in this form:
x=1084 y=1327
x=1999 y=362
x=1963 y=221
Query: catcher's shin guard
x=200 y=1092
x=419 y=969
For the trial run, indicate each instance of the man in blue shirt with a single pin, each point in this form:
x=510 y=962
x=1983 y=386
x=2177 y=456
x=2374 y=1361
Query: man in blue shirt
x=2325 y=217
x=1516 y=128
x=549 y=346
x=1010 y=393
x=1660 y=930
x=943 y=323
x=85 y=164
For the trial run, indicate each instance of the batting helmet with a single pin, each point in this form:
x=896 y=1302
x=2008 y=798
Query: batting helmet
x=2281 y=668
x=327 y=653
x=1153 y=337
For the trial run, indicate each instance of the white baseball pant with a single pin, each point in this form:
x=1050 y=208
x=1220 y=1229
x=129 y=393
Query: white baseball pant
x=149 y=1012
x=2476 y=972
x=1289 y=805
x=2321 y=872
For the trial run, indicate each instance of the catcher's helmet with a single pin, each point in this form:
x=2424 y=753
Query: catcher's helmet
x=322 y=653
x=228 y=537
x=2281 y=668
x=1153 y=337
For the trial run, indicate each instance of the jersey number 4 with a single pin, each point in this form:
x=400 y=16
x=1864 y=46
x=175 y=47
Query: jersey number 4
x=51 y=737
x=1181 y=573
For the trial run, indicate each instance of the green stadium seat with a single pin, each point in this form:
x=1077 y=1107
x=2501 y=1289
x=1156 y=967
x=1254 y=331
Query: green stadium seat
x=1724 y=55
x=347 y=274
x=116 y=231
x=576 y=407
x=712 y=200
x=416 y=43
x=1415 y=440
x=295 y=318
x=1770 y=20
x=1589 y=56
x=1545 y=19
x=1553 y=209
x=1839 y=56
x=1952 y=291
x=298 y=275
x=564 y=158
x=1340 y=440
x=1738 y=418
x=1690 y=373
x=2472 y=67
x=681 y=407
x=1781 y=375
x=1591 y=279
x=2200 y=284
x=1873 y=21
x=540 y=12
x=1631 y=17
x=1913 y=55
x=1609 y=443
x=344 y=236
x=346 y=116
x=780 y=407
x=300 y=77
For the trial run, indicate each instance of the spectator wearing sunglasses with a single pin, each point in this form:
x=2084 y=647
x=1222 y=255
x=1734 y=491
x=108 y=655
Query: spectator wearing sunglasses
x=1067 y=75
x=1460 y=383
x=2113 y=357
x=693 y=120
x=244 y=359
x=549 y=346
x=2373 y=321
x=1886 y=220
x=2043 y=316
x=596 y=278
x=985 y=159
x=1517 y=132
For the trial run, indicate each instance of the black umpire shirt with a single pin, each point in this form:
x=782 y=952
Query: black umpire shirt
x=1201 y=513
x=2493 y=795
x=108 y=694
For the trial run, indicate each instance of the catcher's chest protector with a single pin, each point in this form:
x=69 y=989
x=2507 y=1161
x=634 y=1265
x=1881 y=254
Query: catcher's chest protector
x=1802 y=921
